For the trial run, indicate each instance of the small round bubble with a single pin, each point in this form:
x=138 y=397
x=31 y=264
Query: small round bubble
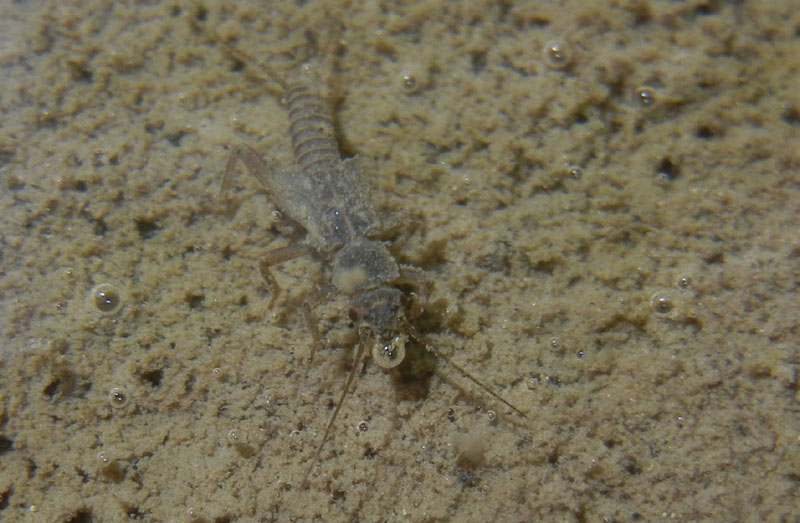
x=106 y=298
x=413 y=78
x=234 y=437
x=685 y=282
x=390 y=355
x=110 y=468
x=218 y=373
x=556 y=55
x=661 y=303
x=117 y=398
x=363 y=426
x=492 y=415
x=645 y=96
x=409 y=82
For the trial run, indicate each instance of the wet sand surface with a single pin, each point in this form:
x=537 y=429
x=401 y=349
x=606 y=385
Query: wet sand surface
x=604 y=197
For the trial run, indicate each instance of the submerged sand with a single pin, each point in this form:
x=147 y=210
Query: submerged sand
x=611 y=234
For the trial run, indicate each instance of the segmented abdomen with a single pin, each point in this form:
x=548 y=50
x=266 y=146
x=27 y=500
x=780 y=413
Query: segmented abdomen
x=311 y=128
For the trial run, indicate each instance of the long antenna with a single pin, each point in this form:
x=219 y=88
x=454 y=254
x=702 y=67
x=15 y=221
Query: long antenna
x=361 y=345
x=242 y=56
x=417 y=336
x=476 y=381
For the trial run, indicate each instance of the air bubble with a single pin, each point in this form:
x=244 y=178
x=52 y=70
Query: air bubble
x=645 y=96
x=239 y=441
x=219 y=373
x=661 y=303
x=235 y=437
x=556 y=56
x=117 y=398
x=110 y=468
x=390 y=355
x=685 y=282
x=492 y=415
x=363 y=426
x=106 y=299
x=413 y=77
x=409 y=82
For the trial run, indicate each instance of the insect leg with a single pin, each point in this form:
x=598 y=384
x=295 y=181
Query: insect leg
x=274 y=257
x=313 y=327
x=254 y=162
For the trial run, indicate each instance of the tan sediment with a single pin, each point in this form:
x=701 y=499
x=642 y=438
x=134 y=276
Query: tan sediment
x=560 y=216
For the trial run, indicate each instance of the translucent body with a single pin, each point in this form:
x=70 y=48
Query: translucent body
x=322 y=193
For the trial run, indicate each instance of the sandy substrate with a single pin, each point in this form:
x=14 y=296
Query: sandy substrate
x=611 y=234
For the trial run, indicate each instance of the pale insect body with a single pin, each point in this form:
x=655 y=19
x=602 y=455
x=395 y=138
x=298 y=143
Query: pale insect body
x=321 y=193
